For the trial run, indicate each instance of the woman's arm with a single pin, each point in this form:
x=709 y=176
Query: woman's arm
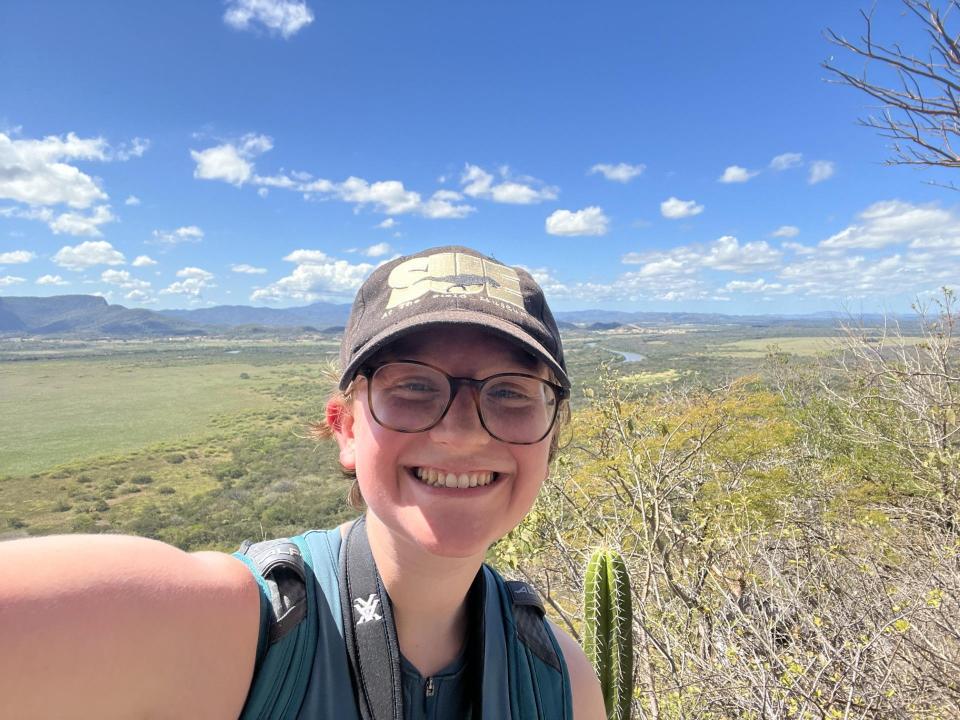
x=587 y=697
x=119 y=627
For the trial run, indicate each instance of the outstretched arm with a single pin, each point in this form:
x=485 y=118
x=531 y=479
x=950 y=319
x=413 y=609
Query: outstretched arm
x=587 y=697
x=120 y=627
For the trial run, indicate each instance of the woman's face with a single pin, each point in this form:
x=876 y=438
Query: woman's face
x=450 y=522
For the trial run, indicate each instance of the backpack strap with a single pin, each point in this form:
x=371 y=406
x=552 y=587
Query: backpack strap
x=369 y=630
x=528 y=614
x=280 y=564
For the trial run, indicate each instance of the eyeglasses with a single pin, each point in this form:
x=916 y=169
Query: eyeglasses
x=413 y=397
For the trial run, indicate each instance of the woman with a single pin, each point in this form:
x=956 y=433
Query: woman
x=453 y=380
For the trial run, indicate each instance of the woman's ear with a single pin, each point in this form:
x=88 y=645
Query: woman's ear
x=340 y=422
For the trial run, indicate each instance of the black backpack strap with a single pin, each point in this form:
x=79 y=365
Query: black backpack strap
x=528 y=614
x=369 y=631
x=280 y=564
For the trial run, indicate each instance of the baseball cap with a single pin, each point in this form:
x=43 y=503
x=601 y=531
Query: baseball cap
x=449 y=285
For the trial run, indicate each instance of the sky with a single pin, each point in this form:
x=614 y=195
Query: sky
x=633 y=156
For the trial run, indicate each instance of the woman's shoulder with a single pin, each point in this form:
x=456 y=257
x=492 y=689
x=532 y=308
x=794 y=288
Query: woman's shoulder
x=587 y=697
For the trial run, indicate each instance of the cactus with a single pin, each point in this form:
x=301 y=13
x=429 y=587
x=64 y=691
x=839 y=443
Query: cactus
x=608 y=629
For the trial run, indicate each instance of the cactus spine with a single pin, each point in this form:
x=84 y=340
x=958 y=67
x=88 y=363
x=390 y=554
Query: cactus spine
x=608 y=629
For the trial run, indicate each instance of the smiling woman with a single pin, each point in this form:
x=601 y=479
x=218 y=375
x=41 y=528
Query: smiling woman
x=453 y=377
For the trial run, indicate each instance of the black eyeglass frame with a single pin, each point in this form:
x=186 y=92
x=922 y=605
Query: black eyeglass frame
x=455 y=383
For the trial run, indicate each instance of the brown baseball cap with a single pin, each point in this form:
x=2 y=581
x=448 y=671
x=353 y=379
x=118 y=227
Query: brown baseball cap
x=449 y=285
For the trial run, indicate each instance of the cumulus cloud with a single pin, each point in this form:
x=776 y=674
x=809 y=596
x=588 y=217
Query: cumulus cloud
x=230 y=162
x=16 y=257
x=51 y=280
x=139 y=296
x=378 y=250
x=894 y=222
x=75 y=223
x=755 y=286
x=188 y=233
x=737 y=174
x=123 y=279
x=621 y=172
x=676 y=209
x=133 y=149
x=725 y=253
x=786 y=161
x=233 y=163
x=8 y=280
x=143 y=261
x=195 y=281
x=248 y=269
x=283 y=17
x=786 y=231
x=589 y=221
x=799 y=248
x=478 y=183
x=387 y=224
x=316 y=276
x=132 y=200
x=820 y=170
x=36 y=172
x=88 y=254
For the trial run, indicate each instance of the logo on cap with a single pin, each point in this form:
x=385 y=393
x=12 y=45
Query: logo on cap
x=453 y=273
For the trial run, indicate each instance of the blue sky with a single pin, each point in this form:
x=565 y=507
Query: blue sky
x=639 y=156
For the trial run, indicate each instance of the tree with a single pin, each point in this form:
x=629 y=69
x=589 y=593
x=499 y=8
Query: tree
x=918 y=92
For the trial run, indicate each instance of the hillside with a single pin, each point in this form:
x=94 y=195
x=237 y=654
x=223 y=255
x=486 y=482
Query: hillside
x=85 y=315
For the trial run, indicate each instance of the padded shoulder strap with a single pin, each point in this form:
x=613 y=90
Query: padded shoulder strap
x=528 y=615
x=280 y=563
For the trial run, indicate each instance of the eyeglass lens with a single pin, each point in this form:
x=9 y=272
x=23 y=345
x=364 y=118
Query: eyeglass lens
x=411 y=397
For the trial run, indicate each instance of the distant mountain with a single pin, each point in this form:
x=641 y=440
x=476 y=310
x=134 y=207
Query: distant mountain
x=605 y=319
x=85 y=315
x=319 y=314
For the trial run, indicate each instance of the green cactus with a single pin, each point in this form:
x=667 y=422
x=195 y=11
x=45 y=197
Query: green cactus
x=608 y=633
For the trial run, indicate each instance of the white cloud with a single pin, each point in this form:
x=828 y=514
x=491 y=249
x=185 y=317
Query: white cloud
x=894 y=222
x=88 y=254
x=737 y=174
x=621 y=172
x=248 y=269
x=675 y=209
x=786 y=231
x=316 y=276
x=51 y=280
x=725 y=253
x=123 y=279
x=478 y=183
x=8 y=280
x=799 y=248
x=34 y=171
x=378 y=250
x=820 y=170
x=132 y=200
x=195 y=281
x=73 y=223
x=16 y=257
x=139 y=296
x=387 y=224
x=143 y=261
x=231 y=162
x=134 y=149
x=263 y=192
x=755 y=286
x=188 y=233
x=286 y=17
x=589 y=221
x=786 y=161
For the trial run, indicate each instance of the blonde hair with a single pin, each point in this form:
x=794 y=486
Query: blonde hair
x=321 y=429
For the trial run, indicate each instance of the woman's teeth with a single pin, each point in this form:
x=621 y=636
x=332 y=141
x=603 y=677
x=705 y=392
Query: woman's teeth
x=442 y=478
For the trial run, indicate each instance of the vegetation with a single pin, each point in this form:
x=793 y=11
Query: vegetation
x=793 y=538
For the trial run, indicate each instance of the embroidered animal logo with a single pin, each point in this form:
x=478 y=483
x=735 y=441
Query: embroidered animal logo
x=367 y=609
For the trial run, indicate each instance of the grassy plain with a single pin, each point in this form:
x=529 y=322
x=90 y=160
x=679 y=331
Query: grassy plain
x=203 y=442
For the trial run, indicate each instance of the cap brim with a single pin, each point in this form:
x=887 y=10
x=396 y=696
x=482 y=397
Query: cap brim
x=472 y=318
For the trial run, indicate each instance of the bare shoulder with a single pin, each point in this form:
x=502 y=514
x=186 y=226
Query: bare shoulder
x=587 y=697
x=124 y=627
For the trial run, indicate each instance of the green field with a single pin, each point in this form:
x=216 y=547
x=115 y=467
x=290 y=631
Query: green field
x=802 y=346
x=61 y=411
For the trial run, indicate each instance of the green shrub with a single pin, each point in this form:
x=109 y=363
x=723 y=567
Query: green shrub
x=141 y=479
